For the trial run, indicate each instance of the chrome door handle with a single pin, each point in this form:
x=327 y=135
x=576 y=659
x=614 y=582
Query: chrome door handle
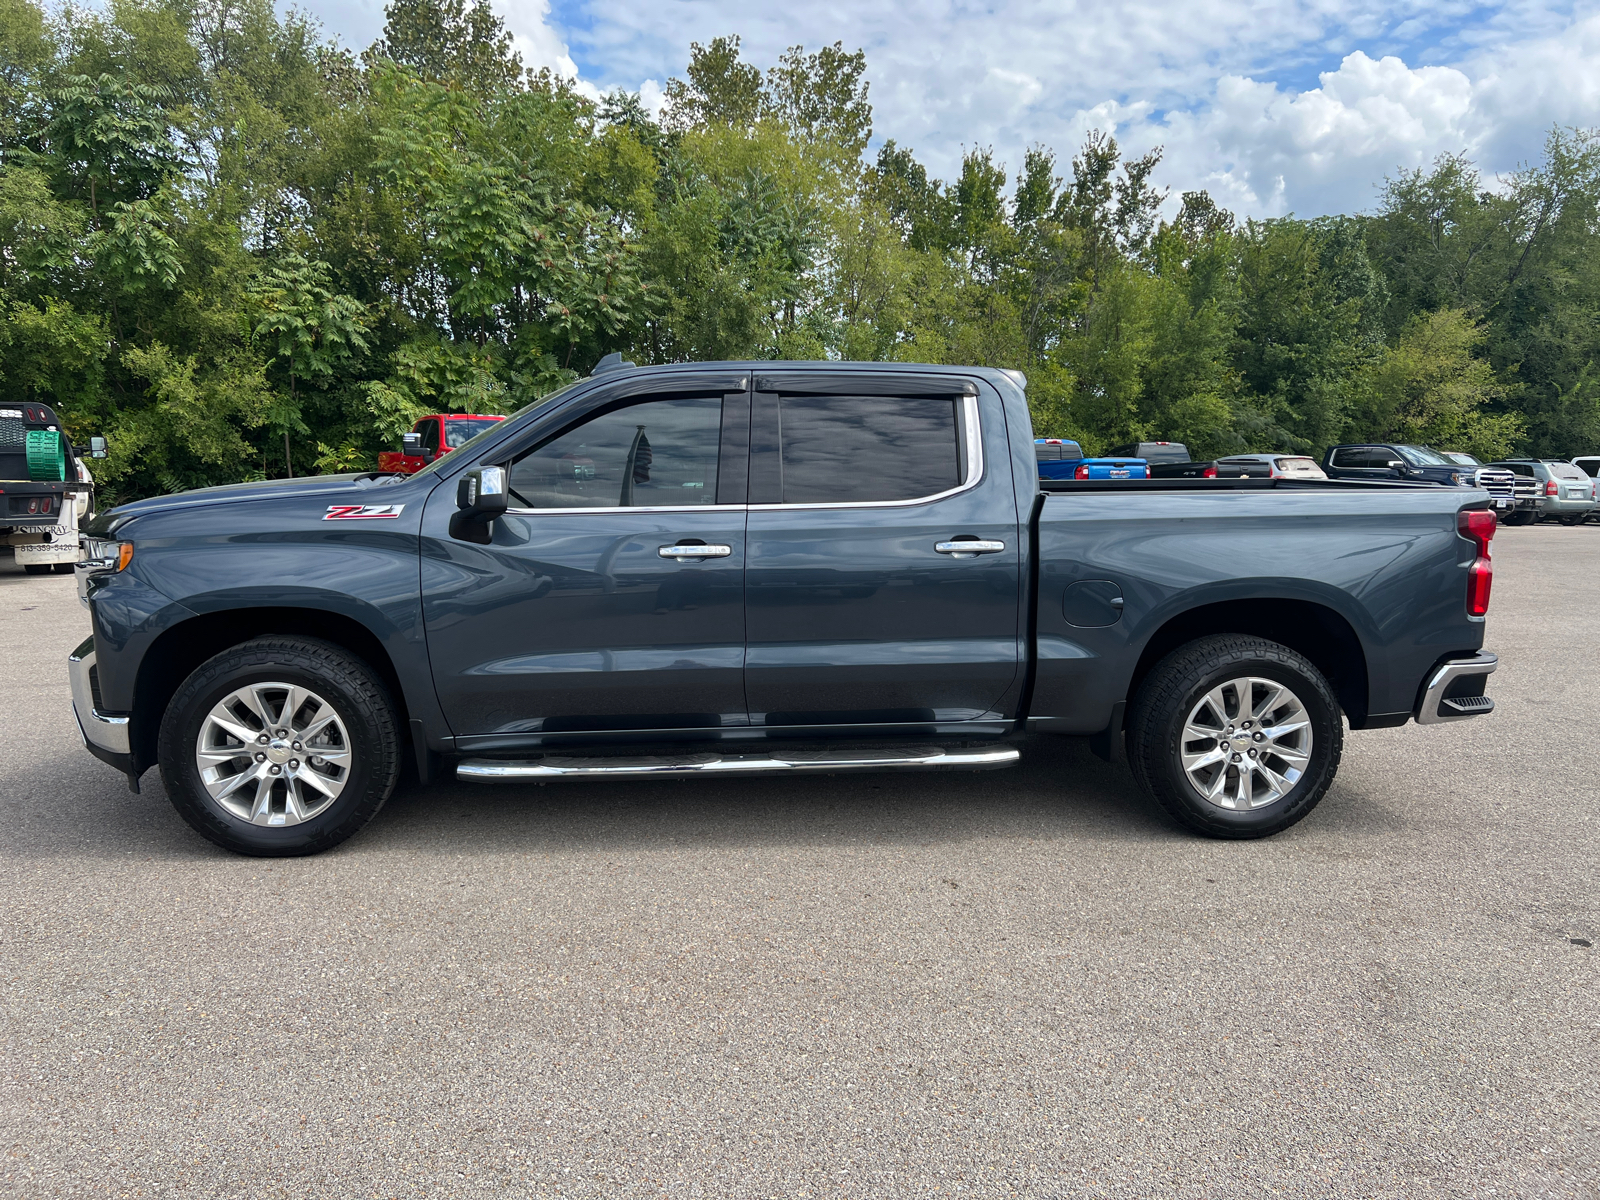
x=689 y=553
x=970 y=549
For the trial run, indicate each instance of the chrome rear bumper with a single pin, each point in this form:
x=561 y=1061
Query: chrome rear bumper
x=1436 y=706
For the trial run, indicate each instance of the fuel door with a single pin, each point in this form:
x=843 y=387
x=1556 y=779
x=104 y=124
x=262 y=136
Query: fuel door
x=1092 y=604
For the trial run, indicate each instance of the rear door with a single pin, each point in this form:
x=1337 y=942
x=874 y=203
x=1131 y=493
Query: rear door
x=862 y=607
x=1363 y=462
x=612 y=595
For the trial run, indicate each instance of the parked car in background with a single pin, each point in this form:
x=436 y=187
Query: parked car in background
x=1589 y=464
x=1166 y=460
x=1414 y=464
x=1057 y=457
x=431 y=437
x=1559 y=489
x=1269 y=466
x=1498 y=482
x=45 y=488
x=1110 y=468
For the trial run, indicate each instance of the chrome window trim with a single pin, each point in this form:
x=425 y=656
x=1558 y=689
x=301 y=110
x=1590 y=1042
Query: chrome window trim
x=632 y=508
x=975 y=466
x=974 y=432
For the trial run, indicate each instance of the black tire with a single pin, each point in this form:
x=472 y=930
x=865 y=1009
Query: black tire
x=1521 y=518
x=62 y=568
x=1171 y=692
x=1575 y=519
x=348 y=684
x=37 y=568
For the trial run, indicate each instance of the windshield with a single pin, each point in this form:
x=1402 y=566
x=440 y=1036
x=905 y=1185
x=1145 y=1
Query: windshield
x=1421 y=456
x=1460 y=459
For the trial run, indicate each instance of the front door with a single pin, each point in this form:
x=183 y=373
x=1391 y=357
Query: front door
x=611 y=596
x=862 y=607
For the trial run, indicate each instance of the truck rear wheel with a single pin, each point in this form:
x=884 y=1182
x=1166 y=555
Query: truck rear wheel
x=1235 y=736
x=280 y=746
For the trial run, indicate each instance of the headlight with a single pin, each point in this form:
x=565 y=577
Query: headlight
x=1457 y=478
x=106 y=554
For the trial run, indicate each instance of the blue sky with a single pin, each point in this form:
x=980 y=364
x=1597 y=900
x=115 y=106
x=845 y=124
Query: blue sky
x=1297 y=105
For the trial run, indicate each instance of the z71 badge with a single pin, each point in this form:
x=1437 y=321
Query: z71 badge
x=363 y=512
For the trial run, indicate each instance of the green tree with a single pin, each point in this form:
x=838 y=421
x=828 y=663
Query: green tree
x=312 y=329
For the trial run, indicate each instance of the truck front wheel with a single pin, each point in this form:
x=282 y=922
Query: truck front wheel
x=1235 y=736
x=280 y=746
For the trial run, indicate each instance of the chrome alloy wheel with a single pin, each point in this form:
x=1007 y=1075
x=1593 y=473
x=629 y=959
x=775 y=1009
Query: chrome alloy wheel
x=1246 y=743
x=273 y=754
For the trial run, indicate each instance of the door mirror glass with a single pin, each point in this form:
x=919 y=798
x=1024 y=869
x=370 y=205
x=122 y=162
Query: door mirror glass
x=97 y=447
x=480 y=498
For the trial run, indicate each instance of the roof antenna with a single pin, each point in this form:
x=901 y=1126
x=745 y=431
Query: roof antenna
x=611 y=362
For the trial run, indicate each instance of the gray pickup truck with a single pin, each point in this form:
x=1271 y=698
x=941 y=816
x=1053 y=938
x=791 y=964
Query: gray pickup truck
x=745 y=568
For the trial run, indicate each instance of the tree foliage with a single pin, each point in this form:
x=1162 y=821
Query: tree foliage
x=242 y=251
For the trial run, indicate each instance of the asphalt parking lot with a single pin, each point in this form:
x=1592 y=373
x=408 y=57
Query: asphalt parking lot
x=1018 y=983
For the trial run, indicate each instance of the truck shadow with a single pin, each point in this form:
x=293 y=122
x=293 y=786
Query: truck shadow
x=1059 y=791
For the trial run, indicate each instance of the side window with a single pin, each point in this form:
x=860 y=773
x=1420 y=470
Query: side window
x=869 y=448
x=1589 y=466
x=1361 y=456
x=430 y=435
x=658 y=453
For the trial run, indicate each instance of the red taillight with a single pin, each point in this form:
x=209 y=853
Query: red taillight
x=1209 y=473
x=1081 y=473
x=1550 y=488
x=1478 y=526
x=1480 y=578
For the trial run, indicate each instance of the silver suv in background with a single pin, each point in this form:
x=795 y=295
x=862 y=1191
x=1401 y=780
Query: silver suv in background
x=1559 y=489
x=1275 y=466
x=1589 y=464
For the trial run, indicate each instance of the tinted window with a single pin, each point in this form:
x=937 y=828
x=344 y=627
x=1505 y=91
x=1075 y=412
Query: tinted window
x=1361 y=456
x=430 y=435
x=1589 y=466
x=659 y=453
x=862 y=448
x=1525 y=469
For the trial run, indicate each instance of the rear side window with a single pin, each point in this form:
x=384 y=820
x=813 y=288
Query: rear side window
x=458 y=431
x=1362 y=456
x=662 y=453
x=1589 y=466
x=855 y=449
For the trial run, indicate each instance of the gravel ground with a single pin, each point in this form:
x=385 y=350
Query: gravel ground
x=1018 y=983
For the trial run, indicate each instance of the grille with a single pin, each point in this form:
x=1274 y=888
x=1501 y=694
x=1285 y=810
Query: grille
x=1497 y=483
x=94 y=688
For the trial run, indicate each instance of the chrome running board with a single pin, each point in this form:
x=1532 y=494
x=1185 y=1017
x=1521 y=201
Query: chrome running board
x=491 y=770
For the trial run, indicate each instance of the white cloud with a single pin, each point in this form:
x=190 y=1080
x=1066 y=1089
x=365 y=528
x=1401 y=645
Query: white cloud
x=1230 y=87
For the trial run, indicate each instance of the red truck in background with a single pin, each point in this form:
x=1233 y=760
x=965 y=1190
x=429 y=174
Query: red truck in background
x=430 y=437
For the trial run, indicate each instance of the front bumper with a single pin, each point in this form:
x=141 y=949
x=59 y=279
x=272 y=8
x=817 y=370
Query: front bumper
x=1454 y=690
x=105 y=735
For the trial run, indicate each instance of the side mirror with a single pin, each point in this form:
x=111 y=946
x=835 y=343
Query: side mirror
x=97 y=447
x=1396 y=465
x=411 y=446
x=480 y=498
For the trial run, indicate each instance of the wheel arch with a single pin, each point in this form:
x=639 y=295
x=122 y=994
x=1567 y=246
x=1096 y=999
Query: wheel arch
x=1318 y=631
x=178 y=650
